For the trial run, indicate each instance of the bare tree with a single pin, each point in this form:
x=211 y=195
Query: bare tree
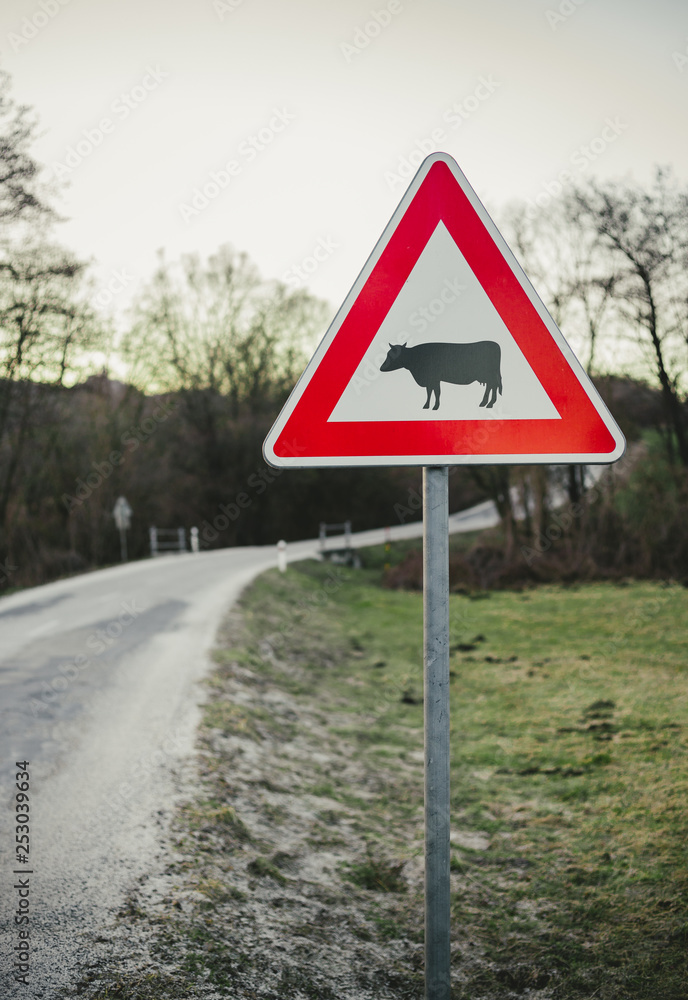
x=642 y=239
x=22 y=193
x=46 y=324
x=44 y=329
x=220 y=328
x=231 y=345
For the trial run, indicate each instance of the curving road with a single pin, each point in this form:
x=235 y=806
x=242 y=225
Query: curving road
x=99 y=691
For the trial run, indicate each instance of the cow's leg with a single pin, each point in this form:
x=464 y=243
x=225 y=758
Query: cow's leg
x=428 y=389
x=484 y=402
x=493 y=396
x=436 y=389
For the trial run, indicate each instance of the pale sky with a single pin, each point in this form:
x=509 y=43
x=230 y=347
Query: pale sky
x=159 y=95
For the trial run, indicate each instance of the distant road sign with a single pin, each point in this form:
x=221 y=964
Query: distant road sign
x=442 y=354
x=122 y=514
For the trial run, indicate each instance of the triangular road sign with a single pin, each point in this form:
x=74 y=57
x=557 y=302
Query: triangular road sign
x=442 y=354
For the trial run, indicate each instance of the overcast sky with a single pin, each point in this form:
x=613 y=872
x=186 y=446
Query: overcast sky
x=319 y=108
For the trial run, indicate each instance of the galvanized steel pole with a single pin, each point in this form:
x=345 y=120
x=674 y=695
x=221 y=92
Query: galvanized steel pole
x=436 y=707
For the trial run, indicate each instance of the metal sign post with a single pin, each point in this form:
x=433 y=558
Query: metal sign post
x=436 y=708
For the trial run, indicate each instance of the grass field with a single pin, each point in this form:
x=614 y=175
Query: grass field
x=569 y=795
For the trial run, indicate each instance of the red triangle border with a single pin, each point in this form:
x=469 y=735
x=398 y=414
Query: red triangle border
x=585 y=429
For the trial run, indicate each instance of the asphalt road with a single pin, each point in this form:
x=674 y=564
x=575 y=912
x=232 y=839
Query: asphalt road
x=99 y=691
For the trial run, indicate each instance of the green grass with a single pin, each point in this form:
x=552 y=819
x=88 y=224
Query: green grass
x=569 y=757
x=378 y=874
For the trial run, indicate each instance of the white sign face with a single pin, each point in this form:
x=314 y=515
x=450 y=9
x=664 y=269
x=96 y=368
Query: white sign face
x=441 y=302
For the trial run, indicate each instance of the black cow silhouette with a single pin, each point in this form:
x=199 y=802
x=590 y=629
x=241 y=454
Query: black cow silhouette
x=460 y=364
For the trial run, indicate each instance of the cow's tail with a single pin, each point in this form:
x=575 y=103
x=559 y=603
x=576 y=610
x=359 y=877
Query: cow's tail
x=499 y=387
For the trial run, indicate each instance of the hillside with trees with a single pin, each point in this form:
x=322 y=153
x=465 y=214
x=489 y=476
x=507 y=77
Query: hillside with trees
x=212 y=349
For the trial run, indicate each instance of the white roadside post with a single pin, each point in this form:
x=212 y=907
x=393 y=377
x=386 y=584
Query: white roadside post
x=436 y=711
x=282 y=556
